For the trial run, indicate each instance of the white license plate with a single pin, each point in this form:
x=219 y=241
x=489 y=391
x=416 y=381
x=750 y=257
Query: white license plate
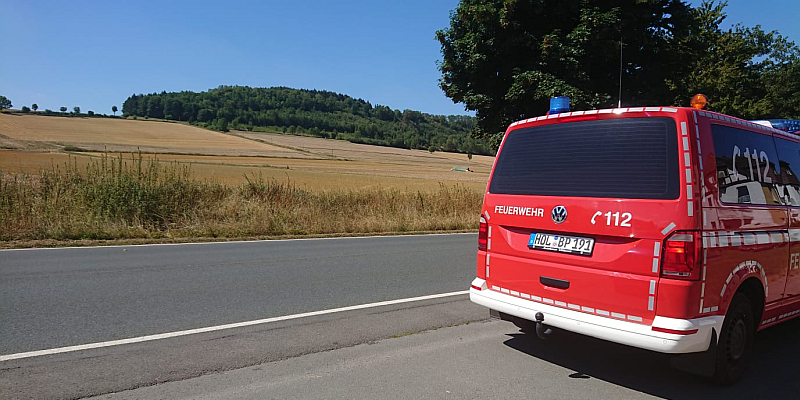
x=564 y=244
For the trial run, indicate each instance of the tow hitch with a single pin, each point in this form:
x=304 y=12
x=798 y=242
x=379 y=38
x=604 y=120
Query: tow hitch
x=527 y=326
x=542 y=330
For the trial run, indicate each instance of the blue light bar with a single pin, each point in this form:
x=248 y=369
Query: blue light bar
x=559 y=105
x=788 y=125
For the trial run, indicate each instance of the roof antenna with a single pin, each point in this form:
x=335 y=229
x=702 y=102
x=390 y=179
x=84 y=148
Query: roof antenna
x=619 y=104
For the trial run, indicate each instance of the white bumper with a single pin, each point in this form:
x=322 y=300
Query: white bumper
x=623 y=332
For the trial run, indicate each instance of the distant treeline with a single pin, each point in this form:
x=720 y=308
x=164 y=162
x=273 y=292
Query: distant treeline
x=310 y=112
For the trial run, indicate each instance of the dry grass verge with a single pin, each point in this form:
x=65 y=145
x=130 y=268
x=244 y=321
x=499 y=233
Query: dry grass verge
x=133 y=198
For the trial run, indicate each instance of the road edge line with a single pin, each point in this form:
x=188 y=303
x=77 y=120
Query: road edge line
x=168 y=335
x=111 y=246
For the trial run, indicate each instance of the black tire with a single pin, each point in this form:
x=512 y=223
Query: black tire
x=735 y=346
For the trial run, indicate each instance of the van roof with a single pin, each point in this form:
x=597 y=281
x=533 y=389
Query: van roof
x=624 y=110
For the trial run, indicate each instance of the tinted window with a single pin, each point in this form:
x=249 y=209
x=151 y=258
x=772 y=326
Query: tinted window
x=632 y=158
x=747 y=168
x=789 y=158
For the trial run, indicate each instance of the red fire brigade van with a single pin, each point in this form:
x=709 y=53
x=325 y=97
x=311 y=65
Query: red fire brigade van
x=665 y=228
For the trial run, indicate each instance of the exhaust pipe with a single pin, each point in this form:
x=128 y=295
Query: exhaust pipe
x=542 y=330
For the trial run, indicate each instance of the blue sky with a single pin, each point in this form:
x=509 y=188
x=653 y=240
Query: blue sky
x=94 y=54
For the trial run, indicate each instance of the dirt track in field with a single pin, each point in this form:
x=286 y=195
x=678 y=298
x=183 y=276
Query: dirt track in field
x=34 y=142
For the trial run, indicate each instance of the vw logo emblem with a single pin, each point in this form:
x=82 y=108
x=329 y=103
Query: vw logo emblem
x=559 y=214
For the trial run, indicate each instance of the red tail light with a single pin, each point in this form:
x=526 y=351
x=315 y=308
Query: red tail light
x=483 y=235
x=681 y=258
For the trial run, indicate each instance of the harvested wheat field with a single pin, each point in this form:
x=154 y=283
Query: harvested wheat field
x=107 y=134
x=308 y=162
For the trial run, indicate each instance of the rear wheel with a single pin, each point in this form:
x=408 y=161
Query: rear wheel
x=735 y=345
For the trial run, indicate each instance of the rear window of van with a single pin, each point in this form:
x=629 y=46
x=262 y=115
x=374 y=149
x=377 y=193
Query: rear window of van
x=632 y=158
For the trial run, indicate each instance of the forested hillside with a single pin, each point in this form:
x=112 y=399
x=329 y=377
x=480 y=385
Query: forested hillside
x=310 y=112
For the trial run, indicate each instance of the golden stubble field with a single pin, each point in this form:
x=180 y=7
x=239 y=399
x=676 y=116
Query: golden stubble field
x=29 y=143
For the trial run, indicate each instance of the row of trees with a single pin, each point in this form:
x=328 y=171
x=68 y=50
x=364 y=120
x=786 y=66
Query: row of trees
x=5 y=103
x=505 y=59
x=312 y=112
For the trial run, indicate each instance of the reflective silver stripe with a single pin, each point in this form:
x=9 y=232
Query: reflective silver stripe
x=652 y=287
x=669 y=228
x=650 y=303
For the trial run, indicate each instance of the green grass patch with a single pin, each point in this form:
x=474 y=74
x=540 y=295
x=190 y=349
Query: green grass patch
x=75 y=149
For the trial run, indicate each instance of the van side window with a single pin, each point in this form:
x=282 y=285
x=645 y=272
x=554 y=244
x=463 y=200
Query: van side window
x=747 y=166
x=789 y=158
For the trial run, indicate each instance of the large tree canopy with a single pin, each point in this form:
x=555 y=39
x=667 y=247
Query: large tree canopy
x=504 y=59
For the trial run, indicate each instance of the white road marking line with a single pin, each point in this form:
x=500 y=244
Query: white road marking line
x=233 y=241
x=168 y=335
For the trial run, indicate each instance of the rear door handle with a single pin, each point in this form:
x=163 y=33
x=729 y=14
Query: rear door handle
x=553 y=282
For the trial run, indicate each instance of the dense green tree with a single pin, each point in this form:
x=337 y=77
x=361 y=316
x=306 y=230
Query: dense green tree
x=76 y=109
x=745 y=72
x=114 y=109
x=310 y=112
x=63 y=109
x=5 y=103
x=25 y=109
x=504 y=59
x=34 y=106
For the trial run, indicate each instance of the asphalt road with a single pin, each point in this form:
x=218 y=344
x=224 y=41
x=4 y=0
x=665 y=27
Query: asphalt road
x=62 y=297
x=489 y=360
x=436 y=348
